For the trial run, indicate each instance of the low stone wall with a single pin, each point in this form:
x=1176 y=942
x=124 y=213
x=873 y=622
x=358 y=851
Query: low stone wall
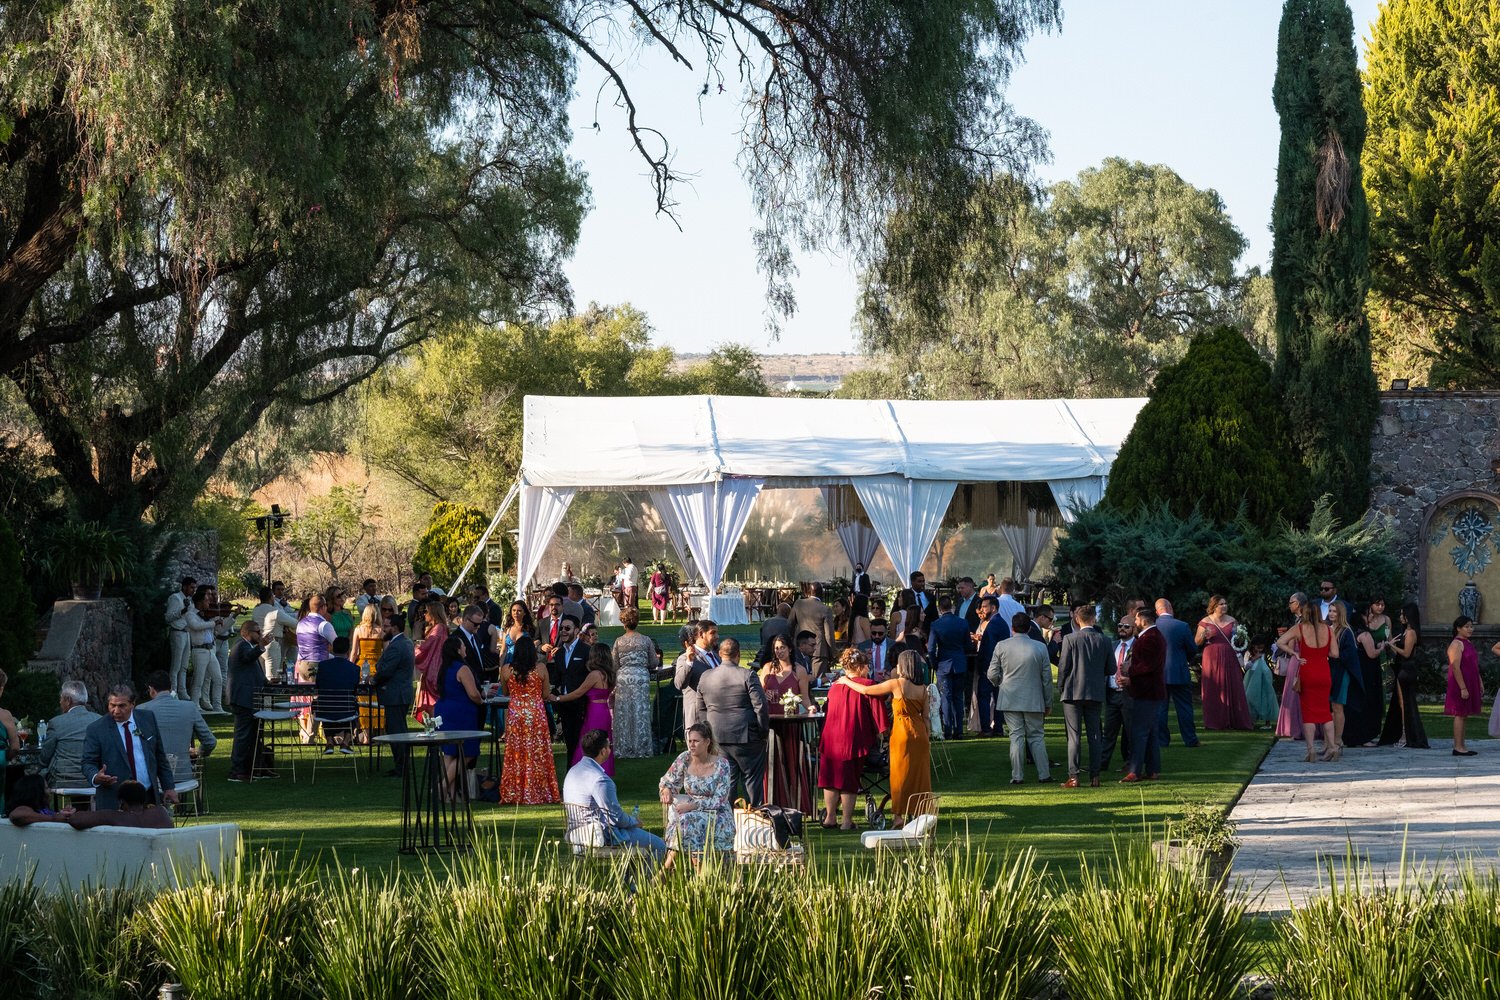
x=90 y=641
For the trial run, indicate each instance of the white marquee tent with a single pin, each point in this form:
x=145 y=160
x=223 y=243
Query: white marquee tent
x=705 y=459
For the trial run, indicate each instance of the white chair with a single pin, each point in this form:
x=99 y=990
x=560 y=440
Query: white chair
x=585 y=837
x=919 y=833
x=189 y=786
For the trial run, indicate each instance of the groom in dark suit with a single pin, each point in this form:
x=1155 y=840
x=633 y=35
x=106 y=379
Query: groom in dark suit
x=126 y=746
x=734 y=706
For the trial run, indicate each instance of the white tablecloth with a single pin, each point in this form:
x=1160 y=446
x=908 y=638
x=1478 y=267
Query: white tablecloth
x=728 y=608
x=609 y=612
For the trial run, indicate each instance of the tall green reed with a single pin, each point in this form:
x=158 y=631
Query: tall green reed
x=362 y=939
x=18 y=914
x=965 y=926
x=1132 y=928
x=93 y=945
x=835 y=942
x=243 y=938
x=1361 y=939
x=1465 y=952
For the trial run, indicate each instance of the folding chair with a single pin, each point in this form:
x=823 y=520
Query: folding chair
x=337 y=714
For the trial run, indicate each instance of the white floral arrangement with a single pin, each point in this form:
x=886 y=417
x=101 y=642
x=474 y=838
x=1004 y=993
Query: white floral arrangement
x=791 y=703
x=1240 y=641
x=431 y=724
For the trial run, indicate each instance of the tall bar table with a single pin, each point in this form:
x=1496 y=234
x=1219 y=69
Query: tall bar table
x=429 y=823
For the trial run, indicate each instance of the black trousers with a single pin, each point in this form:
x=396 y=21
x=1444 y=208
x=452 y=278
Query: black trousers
x=1116 y=728
x=245 y=750
x=748 y=762
x=395 y=723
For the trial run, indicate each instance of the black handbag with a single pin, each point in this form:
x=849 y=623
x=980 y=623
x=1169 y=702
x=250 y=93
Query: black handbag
x=786 y=822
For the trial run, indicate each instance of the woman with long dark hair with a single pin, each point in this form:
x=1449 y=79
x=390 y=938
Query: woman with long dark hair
x=1465 y=690
x=1403 y=723
x=529 y=774
x=458 y=708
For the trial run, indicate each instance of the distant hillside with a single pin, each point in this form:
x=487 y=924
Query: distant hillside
x=809 y=372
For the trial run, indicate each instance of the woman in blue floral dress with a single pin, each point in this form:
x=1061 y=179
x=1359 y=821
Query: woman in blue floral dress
x=695 y=793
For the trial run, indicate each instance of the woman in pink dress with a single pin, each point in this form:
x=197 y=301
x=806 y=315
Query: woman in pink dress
x=599 y=688
x=1224 y=703
x=1289 y=721
x=1465 y=690
x=430 y=658
x=659 y=589
x=781 y=677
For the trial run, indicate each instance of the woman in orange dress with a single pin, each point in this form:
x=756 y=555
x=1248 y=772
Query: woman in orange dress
x=911 y=740
x=528 y=775
x=1312 y=641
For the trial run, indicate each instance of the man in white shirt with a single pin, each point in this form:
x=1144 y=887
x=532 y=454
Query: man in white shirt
x=366 y=596
x=1115 y=730
x=1009 y=606
x=630 y=583
x=273 y=620
x=178 y=642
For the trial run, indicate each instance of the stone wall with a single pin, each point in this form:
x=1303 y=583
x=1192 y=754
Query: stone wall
x=196 y=555
x=88 y=641
x=1432 y=468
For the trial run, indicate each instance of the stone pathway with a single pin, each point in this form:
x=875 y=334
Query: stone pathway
x=1294 y=817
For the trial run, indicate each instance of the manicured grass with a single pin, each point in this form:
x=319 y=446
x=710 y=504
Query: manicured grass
x=359 y=824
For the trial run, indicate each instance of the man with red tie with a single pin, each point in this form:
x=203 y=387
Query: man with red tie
x=548 y=626
x=126 y=746
x=879 y=649
x=1116 y=729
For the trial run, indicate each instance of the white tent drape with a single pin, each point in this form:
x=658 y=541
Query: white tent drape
x=906 y=514
x=542 y=510
x=1027 y=542
x=851 y=524
x=712 y=517
x=1086 y=491
x=860 y=542
x=675 y=534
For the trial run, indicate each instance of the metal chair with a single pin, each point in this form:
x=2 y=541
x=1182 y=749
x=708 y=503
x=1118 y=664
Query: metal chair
x=275 y=732
x=337 y=715
x=189 y=786
x=919 y=833
x=585 y=835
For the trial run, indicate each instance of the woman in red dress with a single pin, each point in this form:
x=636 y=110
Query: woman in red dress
x=1312 y=641
x=1465 y=690
x=781 y=677
x=851 y=731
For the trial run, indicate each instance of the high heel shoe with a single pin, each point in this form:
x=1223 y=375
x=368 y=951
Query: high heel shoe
x=1311 y=758
x=1333 y=754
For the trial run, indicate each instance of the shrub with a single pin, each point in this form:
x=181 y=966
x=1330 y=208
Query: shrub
x=95 y=948
x=17 y=614
x=1361 y=940
x=32 y=694
x=1110 y=555
x=1151 y=930
x=1212 y=438
x=450 y=538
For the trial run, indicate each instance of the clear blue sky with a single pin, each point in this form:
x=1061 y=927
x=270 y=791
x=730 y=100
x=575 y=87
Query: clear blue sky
x=1186 y=83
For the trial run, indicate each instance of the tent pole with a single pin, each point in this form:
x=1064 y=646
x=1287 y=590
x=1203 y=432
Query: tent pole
x=510 y=496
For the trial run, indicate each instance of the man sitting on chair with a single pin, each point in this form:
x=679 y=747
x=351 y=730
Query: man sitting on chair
x=337 y=678
x=587 y=785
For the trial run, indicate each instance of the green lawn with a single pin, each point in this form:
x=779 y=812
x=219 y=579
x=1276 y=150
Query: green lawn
x=360 y=822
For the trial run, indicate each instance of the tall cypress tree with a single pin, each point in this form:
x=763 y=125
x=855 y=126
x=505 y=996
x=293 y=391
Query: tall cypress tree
x=1320 y=260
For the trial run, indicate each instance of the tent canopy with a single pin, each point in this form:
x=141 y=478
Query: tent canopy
x=639 y=442
x=708 y=457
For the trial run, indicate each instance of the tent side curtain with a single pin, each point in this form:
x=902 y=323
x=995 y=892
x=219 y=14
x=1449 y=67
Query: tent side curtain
x=713 y=516
x=542 y=510
x=1085 y=492
x=847 y=517
x=906 y=514
x=675 y=533
x=1027 y=541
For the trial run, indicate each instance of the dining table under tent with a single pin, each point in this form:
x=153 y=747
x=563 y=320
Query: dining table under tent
x=890 y=470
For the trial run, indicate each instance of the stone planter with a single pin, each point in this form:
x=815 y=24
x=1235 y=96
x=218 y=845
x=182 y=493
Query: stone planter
x=87 y=591
x=1214 y=867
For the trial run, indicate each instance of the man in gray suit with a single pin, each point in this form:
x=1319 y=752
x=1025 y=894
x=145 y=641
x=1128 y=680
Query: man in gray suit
x=126 y=746
x=734 y=706
x=810 y=614
x=62 y=750
x=395 y=678
x=1021 y=671
x=587 y=785
x=1083 y=668
x=179 y=722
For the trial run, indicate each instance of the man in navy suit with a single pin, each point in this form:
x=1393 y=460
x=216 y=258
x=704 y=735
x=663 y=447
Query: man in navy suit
x=949 y=648
x=124 y=746
x=991 y=632
x=1180 y=652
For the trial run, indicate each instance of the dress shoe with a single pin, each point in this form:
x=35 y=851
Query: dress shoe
x=1044 y=781
x=1153 y=777
x=1018 y=781
x=1094 y=781
x=1130 y=779
x=1070 y=783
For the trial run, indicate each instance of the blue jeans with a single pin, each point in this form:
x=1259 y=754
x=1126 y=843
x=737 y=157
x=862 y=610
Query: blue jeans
x=1181 y=697
x=953 y=702
x=636 y=836
x=1145 y=751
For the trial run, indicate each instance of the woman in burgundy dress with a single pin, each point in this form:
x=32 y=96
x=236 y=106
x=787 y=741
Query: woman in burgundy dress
x=781 y=677
x=851 y=731
x=1224 y=703
x=1465 y=691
